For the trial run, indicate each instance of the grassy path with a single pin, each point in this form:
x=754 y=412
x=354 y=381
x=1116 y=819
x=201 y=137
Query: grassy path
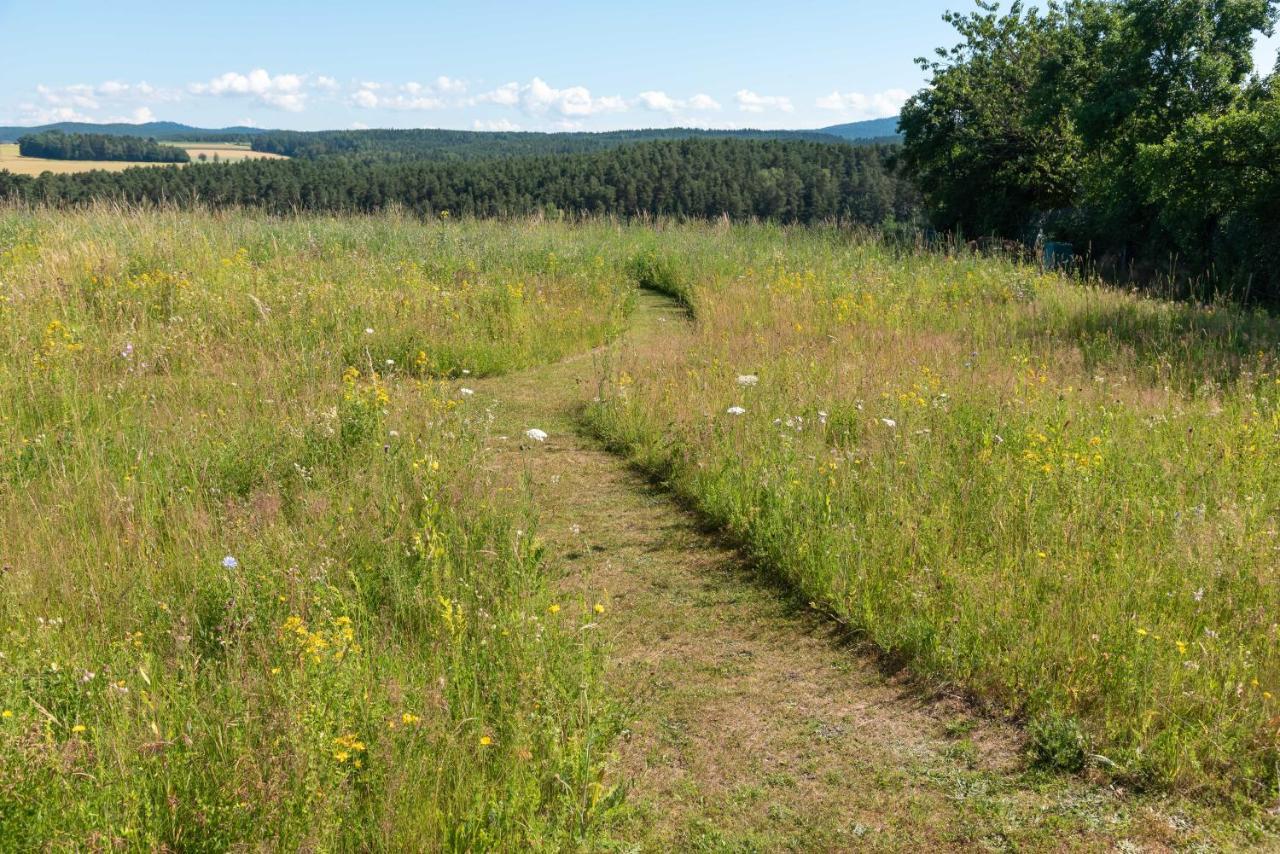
x=752 y=723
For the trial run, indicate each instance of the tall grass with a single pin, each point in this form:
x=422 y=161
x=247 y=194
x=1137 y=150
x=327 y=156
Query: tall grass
x=257 y=588
x=1060 y=497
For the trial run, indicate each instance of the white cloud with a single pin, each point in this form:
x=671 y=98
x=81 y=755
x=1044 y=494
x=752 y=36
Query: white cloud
x=537 y=98
x=661 y=102
x=109 y=101
x=507 y=95
x=861 y=106
x=496 y=124
x=410 y=96
x=450 y=85
x=38 y=115
x=750 y=102
x=366 y=98
x=328 y=84
x=283 y=91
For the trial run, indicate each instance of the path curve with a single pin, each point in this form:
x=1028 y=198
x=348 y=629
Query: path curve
x=754 y=725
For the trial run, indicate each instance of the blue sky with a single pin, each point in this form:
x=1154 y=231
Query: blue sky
x=478 y=64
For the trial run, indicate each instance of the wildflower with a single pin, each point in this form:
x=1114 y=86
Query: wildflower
x=485 y=741
x=368 y=330
x=736 y=410
x=1182 y=647
x=391 y=362
x=889 y=422
x=747 y=380
x=409 y=719
x=465 y=392
x=127 y=352
x=553 y=609
x=78 y=728
x=599 y=608
x=347 y=745
x=535 y=434
x=7 y=713
x=229 y=562
x=1198 y=595
x=1142 y=632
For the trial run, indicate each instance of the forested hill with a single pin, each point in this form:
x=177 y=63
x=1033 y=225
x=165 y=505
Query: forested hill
x=787 y=181
x=438 y=144
x=56 y=145
x=872 y=129
x=147 y=130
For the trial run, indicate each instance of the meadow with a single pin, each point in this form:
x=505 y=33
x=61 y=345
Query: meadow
x=262 y=586
x=1052 y=494
x=256 y=587
x=14 y=162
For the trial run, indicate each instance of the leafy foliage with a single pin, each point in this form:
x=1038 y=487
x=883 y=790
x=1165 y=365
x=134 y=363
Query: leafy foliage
x=1082 y=119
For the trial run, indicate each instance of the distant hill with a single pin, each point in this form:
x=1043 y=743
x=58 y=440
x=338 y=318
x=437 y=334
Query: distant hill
x=873 y=129
x=149 y=130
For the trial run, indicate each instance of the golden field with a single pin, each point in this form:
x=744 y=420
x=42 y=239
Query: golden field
x=14 y=162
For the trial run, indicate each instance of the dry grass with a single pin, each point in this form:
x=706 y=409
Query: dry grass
x=12 y=161
x=225 y=151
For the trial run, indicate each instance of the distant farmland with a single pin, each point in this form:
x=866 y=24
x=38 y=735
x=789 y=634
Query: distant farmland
x=11 y=160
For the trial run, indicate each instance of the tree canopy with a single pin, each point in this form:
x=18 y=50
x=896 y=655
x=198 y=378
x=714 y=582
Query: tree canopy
x=56 y=145
x=1087 y=120
x=787 y=181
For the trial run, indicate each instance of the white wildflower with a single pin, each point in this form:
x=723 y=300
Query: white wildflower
x=535 y=434
x=748 y=380
x=736 y=410
x=889 y=422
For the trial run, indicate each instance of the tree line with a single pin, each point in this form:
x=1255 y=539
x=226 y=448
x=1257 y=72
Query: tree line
x=436 y=144
x=56 y=145
x=787 y=181
x=1135 y=129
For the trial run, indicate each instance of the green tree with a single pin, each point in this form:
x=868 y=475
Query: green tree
x=985 y=155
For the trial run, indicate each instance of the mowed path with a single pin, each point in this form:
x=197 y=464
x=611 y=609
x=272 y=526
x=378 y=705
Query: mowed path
x=753 y=723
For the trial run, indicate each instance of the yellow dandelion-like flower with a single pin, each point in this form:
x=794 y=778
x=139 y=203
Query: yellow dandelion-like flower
x=78 y=728
x=485 y=741
x=7 y=713
x=599 y=609
x=554 y=609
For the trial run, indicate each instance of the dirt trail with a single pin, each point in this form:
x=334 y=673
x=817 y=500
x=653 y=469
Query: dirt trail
x=753 y=724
